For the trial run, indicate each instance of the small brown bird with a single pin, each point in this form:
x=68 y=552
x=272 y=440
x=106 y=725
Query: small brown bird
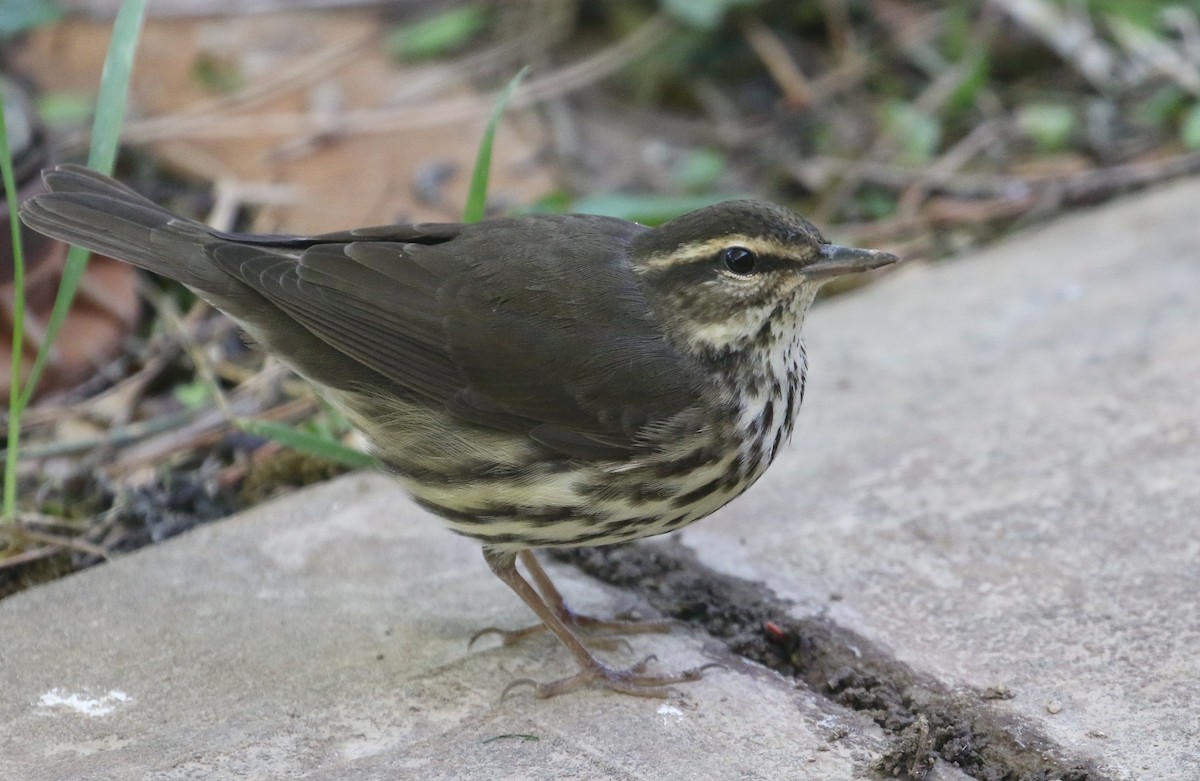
x=536 y=381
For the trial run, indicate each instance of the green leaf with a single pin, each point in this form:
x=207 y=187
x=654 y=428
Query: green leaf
x=554 y=202
x=18 y=16
x=15 y=406
x=875 y=204
x=194 y=395
x=1143 y=13
x=964 y=95
x=60 y=107
x=523 y=736
x=647 y=209
x=1050 y=125
x=312 y=444
x=217 y=75
x=703 y=14
x=699 y=169
x=917 y=132
x=477 y=196
x=438 y=35
x=959 y=37
x=1189 y=131
x=1161 y=106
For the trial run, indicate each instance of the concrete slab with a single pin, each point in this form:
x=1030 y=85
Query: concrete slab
x=995 y=476
x=324 y=636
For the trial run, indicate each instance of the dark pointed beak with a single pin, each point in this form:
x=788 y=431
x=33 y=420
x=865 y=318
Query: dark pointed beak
x=835 y=261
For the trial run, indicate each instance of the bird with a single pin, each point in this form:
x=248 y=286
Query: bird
x=536 y=381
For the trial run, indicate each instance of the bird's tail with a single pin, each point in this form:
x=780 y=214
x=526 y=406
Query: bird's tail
x=100 y=214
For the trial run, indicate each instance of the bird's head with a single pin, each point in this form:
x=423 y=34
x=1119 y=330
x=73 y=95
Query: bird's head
x=726 y=277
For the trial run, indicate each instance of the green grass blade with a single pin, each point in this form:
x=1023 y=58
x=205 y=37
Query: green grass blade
x=106 y=133
x=312 y=444
x=18 y=332
x=114 y=85
x=477 y=197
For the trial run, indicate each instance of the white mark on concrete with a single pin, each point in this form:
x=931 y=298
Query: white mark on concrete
x=84 y=703
x=669 y=710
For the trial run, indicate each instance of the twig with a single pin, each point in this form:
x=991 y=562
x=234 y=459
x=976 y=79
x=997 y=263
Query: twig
x=115 y=437
x=107 y=9
x=1069 y=34
x=1159 y=55
x=981 y=137
x=61 y=541
x=230 y=195
x=406 y=117
x=778 y=61
x=1077 y=187
x=207 y=427
x=841 y=31
x=26 y=557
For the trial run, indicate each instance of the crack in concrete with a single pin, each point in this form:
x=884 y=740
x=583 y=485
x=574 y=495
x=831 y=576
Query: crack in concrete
x=927 y=719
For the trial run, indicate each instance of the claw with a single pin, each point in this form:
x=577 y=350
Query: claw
x=632 y=680
x=611 y=643
x=513 y=636
x=586 y=624
x=487 y=630
x=518 y=684
x=507 y=636
x=642 y=665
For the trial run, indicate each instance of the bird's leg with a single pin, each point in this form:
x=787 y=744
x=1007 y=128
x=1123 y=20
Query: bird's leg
x=592 y=672
x=554 y=600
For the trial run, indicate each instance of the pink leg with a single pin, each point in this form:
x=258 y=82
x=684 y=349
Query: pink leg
x=554 y=600
x=592 y=672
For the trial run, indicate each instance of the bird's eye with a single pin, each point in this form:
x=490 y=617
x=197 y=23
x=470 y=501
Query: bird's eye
x=739 y=260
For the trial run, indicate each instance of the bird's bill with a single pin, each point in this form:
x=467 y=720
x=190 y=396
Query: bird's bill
x=833 y=261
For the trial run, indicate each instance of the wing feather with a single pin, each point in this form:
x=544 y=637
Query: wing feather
x=547 y=335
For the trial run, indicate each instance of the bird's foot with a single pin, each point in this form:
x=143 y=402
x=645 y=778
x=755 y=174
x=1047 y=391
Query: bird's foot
x=634 y=680
x=586 y=624
x=567 y=627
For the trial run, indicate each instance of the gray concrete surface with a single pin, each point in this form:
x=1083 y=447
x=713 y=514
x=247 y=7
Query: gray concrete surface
x=324 y=636
x=998 y=473
x=994 y=477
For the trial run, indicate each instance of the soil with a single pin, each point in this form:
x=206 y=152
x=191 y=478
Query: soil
x=927 y=719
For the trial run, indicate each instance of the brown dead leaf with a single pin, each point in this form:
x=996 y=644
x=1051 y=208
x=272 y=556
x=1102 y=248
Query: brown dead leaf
x=326 y=69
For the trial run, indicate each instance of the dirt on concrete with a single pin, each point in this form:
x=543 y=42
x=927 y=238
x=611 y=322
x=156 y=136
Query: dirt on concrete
x=928 y=719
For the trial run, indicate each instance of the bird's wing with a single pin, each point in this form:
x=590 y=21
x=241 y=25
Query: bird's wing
x=539 y=329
